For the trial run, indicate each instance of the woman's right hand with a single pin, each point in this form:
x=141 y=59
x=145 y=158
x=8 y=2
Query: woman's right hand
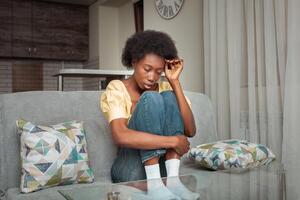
x=182 y=145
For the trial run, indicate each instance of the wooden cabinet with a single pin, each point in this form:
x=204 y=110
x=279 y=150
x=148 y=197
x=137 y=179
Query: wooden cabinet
x=70 y=34
x=49 y=30
x=41 y=30
x=22 y=28
x=5 y=28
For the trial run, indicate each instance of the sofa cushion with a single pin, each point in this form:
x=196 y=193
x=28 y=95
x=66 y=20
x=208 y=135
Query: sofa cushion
x=53 y=155
x=229 y=154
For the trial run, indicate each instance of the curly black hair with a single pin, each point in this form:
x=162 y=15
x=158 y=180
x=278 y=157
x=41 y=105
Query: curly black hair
x=146 y=42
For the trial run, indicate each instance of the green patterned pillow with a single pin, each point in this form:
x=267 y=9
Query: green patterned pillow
x=53 y=155
x=229 y=154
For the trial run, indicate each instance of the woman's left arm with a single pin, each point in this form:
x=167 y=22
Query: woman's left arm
x=173 y=69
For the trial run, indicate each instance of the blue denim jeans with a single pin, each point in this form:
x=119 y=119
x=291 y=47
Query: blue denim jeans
x=155 y=113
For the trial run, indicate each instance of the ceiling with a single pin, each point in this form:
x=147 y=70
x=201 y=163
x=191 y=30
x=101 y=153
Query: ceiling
x=113 y=3
x=79 y=2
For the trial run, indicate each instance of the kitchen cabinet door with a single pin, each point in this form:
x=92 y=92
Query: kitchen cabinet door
x=41 y=30
x=70 y=32
x=22 y=28
x=31 y=28
x=5 y=28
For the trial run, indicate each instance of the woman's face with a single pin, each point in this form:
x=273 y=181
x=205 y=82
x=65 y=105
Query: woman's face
x=148 y=70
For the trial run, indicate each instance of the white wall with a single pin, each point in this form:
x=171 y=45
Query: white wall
x=186 y=30
x=108 y=37
x=126 y=26
x=109 y=29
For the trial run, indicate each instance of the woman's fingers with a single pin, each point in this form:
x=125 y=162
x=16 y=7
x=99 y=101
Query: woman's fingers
x=173 y=68
x=174 y=61
x=183 y=145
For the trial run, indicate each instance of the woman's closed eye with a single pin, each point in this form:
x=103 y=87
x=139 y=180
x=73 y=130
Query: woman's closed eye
x=147 y=69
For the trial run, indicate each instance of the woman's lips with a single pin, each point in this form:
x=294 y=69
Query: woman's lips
x=147 y=86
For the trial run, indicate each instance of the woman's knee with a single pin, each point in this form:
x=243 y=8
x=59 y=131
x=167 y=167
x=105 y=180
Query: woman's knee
x=170 y=100
x=169 y=96
x=149 y=114
x=152 y=98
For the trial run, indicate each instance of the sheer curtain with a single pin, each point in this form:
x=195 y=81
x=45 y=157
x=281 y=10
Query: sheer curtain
x=291 y=124
x=252 y=73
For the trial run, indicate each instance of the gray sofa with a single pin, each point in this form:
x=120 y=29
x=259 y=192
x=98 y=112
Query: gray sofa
x=52 y=107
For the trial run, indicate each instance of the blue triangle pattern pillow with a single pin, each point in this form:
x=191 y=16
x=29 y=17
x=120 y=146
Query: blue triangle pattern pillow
x=228 y=154
x=53 y=155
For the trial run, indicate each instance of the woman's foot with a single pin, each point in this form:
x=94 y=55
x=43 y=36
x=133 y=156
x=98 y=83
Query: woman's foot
x=176 y=187
x=174 y=184
x=157 y=190
x=155 y=186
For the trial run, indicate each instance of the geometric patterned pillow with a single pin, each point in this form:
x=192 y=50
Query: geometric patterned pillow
x=229 y=154
x=53 y=155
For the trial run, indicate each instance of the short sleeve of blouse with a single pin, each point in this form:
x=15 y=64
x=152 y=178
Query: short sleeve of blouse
x=113 y=101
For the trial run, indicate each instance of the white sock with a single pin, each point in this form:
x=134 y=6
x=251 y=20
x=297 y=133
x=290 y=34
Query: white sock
x=172 y=167
x=174 y=184
x=152 y=171
x=156 y=188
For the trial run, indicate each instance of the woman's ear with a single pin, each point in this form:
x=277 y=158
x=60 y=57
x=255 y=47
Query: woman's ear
x=133 y=63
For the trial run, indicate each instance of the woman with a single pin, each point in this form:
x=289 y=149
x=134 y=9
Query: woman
x=150 y=120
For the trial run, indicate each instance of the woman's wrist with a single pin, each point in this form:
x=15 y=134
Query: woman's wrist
x=174 y=142
x=174 y=81
x=175 y=84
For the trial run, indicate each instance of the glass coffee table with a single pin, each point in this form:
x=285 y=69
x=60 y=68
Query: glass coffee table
x=266 y=182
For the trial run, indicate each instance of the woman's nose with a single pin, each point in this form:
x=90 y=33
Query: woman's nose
x=153 y=77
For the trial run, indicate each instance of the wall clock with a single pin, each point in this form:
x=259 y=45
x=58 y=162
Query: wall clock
x=168 y=9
